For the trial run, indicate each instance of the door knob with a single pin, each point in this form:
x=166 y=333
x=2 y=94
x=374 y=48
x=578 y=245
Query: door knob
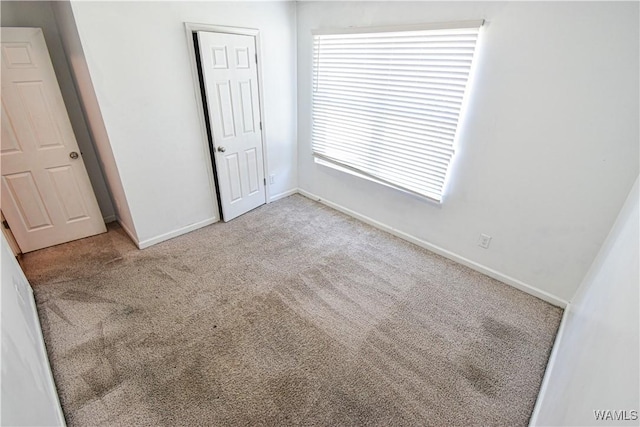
x=222 y=149
x=73 y=155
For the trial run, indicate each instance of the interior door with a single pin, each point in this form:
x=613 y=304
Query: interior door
x=47 y=197
x=230 y=76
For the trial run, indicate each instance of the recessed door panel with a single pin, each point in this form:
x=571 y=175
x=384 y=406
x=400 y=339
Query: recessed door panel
x=28 y=200
x=233 y=177
x=219 y=56
x=68 y=193
x=246 y=105
x=234 y=114
x=18 y=55
x=41 y=118
x=251 y=160
x=10 y=143
x=223 y=91
x=242 y=57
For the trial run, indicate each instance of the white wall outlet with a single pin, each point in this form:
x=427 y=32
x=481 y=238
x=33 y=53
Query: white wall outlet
x=272 y=178
x=485 y=241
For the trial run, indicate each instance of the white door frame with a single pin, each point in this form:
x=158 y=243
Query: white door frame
x=190 y=29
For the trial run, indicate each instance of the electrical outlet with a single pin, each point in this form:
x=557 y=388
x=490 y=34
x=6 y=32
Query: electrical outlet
x=272 y=178
x=485 y=241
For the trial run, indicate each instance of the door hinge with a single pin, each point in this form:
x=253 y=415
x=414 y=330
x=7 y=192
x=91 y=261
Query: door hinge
x=256 y=58
x=5 y=224
x=260 y=125
x=264 y=180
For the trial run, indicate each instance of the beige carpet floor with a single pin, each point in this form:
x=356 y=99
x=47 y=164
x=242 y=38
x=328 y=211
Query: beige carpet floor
x=293 y=314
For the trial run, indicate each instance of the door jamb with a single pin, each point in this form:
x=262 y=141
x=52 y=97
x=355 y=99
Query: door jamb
x=192 y=27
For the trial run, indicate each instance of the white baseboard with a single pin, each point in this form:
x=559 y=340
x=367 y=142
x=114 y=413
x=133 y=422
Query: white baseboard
x=283 y=195
x=109 y=218
x=175 y=233
x=532 y=290
x=548 y=373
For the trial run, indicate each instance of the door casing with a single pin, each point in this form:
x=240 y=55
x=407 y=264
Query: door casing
x=190 y=29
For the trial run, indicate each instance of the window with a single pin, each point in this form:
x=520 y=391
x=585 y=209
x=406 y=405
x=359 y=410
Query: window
x=386 y=103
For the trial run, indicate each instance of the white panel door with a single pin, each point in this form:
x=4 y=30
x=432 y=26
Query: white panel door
x=47 y=197
x=231 y=84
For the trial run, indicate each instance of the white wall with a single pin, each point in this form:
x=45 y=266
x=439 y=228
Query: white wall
x=40 y=14
x=137 y=57
x=596 y=362
x=28 y=394
x=548 y=150
x=83 y=81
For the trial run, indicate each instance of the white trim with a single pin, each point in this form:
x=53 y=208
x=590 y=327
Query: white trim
x=398 y=28
x=532 y=290
x=109 y=218
x=192 y=27
x=130 y=233
x=263 y=124
x=283 y=194
x=195 y=27
x=533 y=421
x=175 y=233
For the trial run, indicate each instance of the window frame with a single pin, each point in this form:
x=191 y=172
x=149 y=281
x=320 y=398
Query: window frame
x=326 y=162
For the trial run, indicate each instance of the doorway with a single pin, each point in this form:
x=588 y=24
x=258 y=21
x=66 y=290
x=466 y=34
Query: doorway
x=226 y=62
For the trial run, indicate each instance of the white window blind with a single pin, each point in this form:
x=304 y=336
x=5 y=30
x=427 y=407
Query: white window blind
x=386 y=104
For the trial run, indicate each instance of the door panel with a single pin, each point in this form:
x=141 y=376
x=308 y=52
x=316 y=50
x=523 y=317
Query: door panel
x=10 y=143
x=231 y=84
x=47 y=198
x=251 y=157
x=68 y=193
x=226 y=108
x=17 y=55
x=41 y=118
x=234 y=181
x=242 y=57
x=246 y=105
x=27 y=199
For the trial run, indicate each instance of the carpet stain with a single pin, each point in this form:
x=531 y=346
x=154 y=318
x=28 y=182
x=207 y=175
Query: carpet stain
x=81 y=296
x=481 y=379
x=292 y=314
x=54 y=308
x=162 y=275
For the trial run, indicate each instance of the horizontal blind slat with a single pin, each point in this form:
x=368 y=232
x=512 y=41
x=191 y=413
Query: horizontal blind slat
x=408 y=136
x=430 y=124
x=385 y=109
x=435 y=137
x=386 y=168
x=416 y=97
x=410 y=104
x=436 y=95
x=354 y=144
x=432 y=191
x=396 y=35
x=458 y=91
